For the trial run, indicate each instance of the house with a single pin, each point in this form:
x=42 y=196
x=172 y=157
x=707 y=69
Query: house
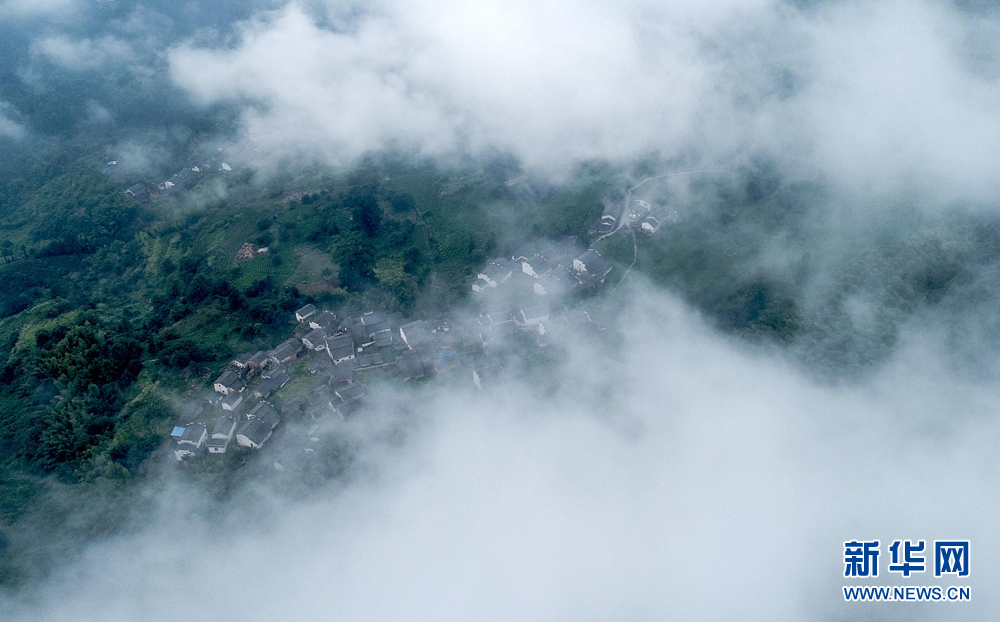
x=324 y=320
x=556 y=282
x=409 y=366
x=375 y=322
x=253 y=433
x=608 y=220
x=229 y=382
x=560 y=249
x=180 y=181
x=241 y=361
x=321 y=395
x=305 y=312
x=591 y=266
x=650 y=224
x=315 y=340
x=139 y=193
x=192 y=434
x=273 y=371
x=230 y=402
x=265 y=413
x=343 y=372
x=287 y=351
x=485 y=373
x=222 y=433
x=480 y=284
x=414 y=334
x=370 y=360
x=189 y=439
x=532 y=315
x=352 y=392
x=257 y=361
x=340 y=348
x=535 y=267
x=436 y=326
x=270 y=385
x=319 y=364
x=383 y=339
x=496 y=272
x=323 y=411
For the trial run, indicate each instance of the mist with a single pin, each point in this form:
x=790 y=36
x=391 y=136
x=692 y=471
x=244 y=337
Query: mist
x=879 y=98
x=672 y=475
x=666 y=471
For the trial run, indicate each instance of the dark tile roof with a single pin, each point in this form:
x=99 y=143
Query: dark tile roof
x=255 y=431
x=409 y=365
x=266 y=413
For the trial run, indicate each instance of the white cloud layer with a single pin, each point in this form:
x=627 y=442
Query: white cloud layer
x=677 y=480
x=876 y=95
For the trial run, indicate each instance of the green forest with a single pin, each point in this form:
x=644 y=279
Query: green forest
x=109 y=301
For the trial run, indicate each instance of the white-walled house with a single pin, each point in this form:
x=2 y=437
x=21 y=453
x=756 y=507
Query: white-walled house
x=305 y=312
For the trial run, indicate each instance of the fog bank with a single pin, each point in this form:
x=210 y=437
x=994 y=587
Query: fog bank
x=678 y=477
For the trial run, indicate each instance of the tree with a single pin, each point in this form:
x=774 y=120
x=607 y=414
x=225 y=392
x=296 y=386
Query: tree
x=402 y=202
x=363 y=203
x=7 y=250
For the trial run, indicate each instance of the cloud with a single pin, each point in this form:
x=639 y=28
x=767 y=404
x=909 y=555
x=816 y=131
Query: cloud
x=39 y=8
x=9 y=127
x=84 y=54
x=672 y=476
x=877 y=96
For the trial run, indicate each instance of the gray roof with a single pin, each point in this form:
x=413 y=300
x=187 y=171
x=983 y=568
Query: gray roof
x=270 y=385
x=258 y=359
x=306 y=311
x=596 y=265
x=232 y=400
x=369 y=360
x=192 y=432
x=372 y=329
x=318 y=364
x=409 y=365
x=266 y=413
x=354 y=391
x=255 y=431
x=323 y=320
x=224 y=426
x=372 y=318
x=495 y=273
x=383 y=338
x=320 y=395
x=315 y=337
x=342 y=371
x=229 y=378
x=286 y=350
x=341 y=346
x=274 y=371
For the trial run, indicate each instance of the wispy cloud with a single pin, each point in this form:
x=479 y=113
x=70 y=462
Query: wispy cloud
x=877 y=96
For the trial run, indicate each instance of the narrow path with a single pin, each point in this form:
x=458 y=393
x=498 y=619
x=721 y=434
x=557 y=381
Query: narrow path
x=635 y=256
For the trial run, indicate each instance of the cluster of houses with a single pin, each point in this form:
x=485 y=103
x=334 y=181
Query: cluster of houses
x=345 y=354
x=639 y=215
x=178 y=182
x=552 y=271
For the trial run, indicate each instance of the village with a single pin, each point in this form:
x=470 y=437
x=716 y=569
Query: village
x=522 y=305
